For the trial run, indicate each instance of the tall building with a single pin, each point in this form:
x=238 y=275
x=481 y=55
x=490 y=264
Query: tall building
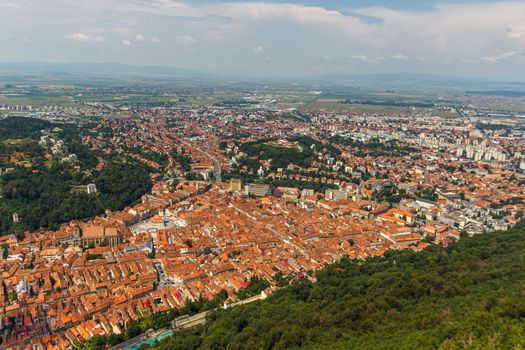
x=235 y=185
x=258 y=190
x=335 y=195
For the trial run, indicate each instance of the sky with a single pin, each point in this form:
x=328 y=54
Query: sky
x=477 y=38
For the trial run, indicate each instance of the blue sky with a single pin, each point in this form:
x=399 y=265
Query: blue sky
x=484 y=38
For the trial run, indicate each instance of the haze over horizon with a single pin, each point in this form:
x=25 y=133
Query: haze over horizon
x=275 y=38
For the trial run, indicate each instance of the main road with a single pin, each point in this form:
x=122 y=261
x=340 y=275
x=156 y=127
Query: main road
x=188 y=322
x=216 y=164
x=216 y=167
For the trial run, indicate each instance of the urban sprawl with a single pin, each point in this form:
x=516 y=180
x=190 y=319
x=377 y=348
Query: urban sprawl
x=247 y=193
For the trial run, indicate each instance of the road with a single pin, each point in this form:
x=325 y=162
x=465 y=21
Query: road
x=216 y=164
x=138 y=339
x=277 y=233
x=200 y=318
x=191 y=321
x=217 y=170
x=164 y=280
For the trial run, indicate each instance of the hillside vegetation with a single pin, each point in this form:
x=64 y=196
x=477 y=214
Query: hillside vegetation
x=470 y=295
x=46 y=193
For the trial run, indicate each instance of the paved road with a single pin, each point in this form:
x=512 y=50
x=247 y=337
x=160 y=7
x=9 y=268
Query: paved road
x=191 y=321
x=138 y=339
x=164 y=280
x=216 y=167
x=200 y=318
x=277 y=233
x=216 y=164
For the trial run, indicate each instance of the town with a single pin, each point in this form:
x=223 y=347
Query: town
x=242 y=197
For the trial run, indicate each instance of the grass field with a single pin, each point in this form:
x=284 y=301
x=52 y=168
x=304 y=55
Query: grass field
x=333 y=106
x=17 y=141
x=36 y=101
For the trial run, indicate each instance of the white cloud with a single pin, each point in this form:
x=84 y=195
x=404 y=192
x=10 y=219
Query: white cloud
x=500 y=58
x=516 y=31
x=400 y=56
x=10 y=5
x=185 y=40
x=85 y=37
x=451 y=37
x=259 y=50
x=125 y=42
x=365 y=59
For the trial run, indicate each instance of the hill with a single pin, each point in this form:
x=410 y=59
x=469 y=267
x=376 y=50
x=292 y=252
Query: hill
x=470 y=295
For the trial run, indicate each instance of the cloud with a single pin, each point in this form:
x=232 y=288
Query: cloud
x=506 y=56
x=85 y=37
x=365 y=59
x=185 y=40
x=449 y=37
x=516 y=31
x=9 y=5
x=259 y=50
x=399 y=56
x=125 y=42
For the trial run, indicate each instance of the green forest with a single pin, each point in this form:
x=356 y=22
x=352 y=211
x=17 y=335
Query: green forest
x=22 y=127
x=49 y=193
x=47 y=198
x=375 y=147
x=470 y=295
x=280 y=156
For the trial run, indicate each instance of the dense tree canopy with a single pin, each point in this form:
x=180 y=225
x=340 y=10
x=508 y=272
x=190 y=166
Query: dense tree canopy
x=121 y=183
x=280 y=156
x=469 y=295
x=375 y=147
x=22 y=127
x=48 y=196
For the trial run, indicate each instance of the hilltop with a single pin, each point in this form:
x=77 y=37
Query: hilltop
x=469 y=295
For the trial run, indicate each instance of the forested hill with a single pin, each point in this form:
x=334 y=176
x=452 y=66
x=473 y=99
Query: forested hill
x=46 y=191
x=470 y=295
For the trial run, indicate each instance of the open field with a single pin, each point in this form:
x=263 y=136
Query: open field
x=17 y=141
x=333 y=106
x=37 y=100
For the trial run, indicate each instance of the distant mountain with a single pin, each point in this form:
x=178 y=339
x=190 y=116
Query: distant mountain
x=111 y=70
x=90 y=68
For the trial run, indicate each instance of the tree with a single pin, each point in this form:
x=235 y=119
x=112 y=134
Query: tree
x=5 y=251
x=436 y=298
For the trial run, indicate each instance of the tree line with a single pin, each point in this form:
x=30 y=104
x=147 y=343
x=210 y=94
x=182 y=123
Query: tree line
x=468 y=295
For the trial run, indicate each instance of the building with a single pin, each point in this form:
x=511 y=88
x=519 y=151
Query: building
x=258 y=190
x=286 y=193
x=98 y=235
x=335 y=195
x=235 y=185
x=91 y=189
